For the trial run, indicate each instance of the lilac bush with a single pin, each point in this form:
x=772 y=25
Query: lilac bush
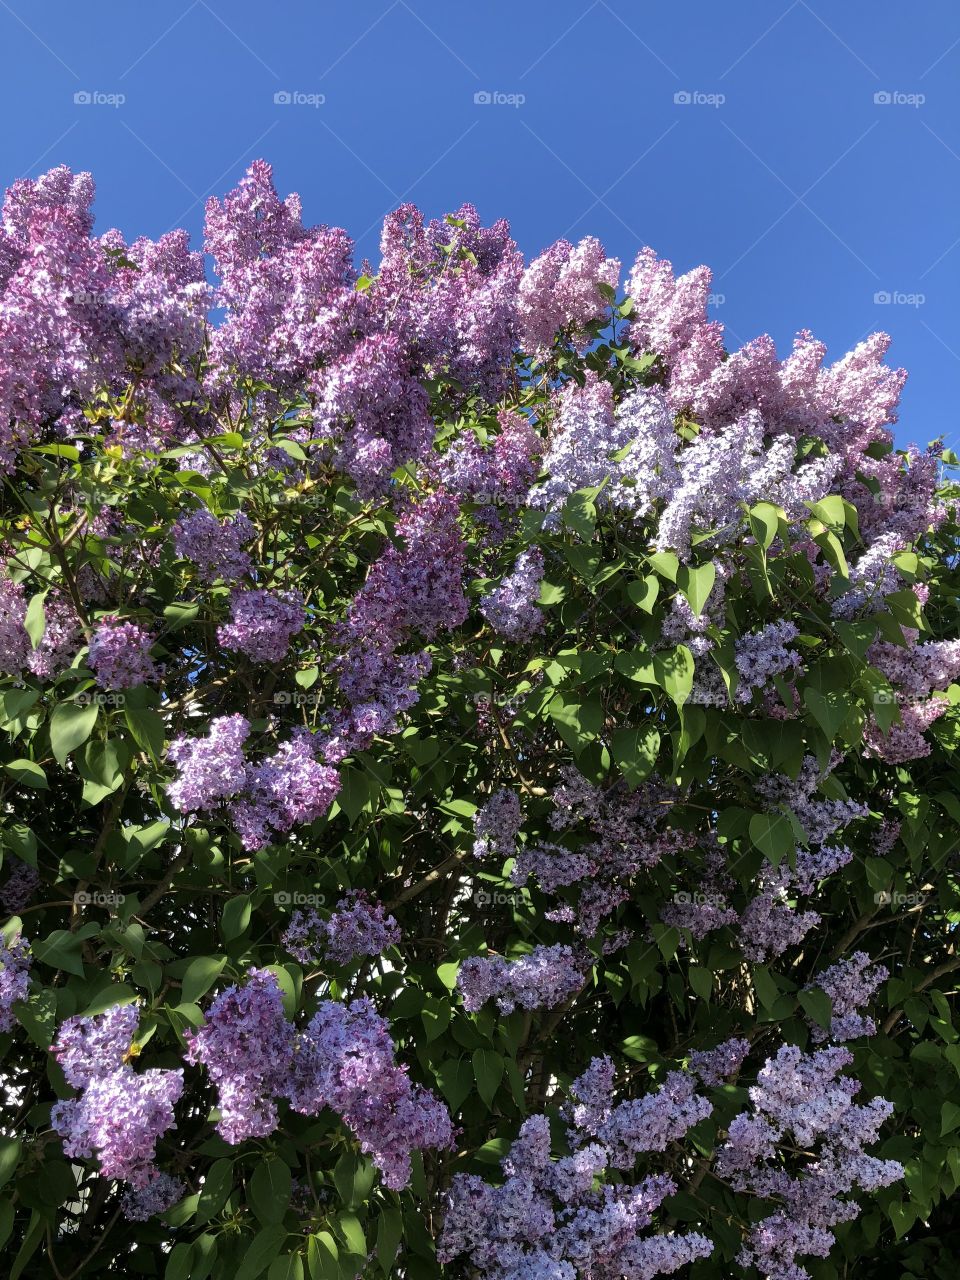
x=478 y=765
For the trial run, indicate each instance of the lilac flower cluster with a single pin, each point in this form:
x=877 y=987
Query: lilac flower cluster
x=120 y=1114
x=356 y=927
x=560 y=291
x=264 y=799
x=801 y=1100
x=20 y=885
x=413 y=591
x=626 y=832
x=541 y=980
x=850 y=984
x=262 y=623
x=287 y=789
x=497 y=824
x=917 y=672
x=501 y=473
x=215 y=546
x=767 y=653
x=550 y=1220
x=15 y=962
x=716 y=1066
x=211 y=768
x=246 y=1045
x=14 y=641
x=510 y=607
x=120 y=654
x=61 y=637
x=344 y=1060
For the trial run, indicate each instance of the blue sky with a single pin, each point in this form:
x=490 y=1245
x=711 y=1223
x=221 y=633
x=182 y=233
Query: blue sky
x=812 y=157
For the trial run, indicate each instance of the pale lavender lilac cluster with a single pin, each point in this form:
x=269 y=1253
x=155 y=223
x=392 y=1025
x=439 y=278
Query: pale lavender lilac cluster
x=765 y=654
x=560 y=292
x=496 y=825
x=623 y=833
x=120 y=1114
x=356 y=927
x=411 y=593
x=555 y=1219
x=263 y=799
x=215 y=546
x=802 y=1101
x=851 y=984
x=510 y=608
x=344 y=1059
x=541 y=980
x=15 y=962
x=716 y=1066
x=917 y=672
x=262 y=623
x=120 y=654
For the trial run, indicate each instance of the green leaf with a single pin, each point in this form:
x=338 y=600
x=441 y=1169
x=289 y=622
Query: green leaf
x=217 y=1185
x=287 y=1267
x=70 y=726
x=348 y=1225
x=354 y=1176
x=60 y=950
x=235 y=919
x=35 y=619
x=635 y=751
x=200 y=976
x=389 y=1235
x=818 y=1005
x=10 y=1149
x=27 y=774
x=488 y=1072
x=643 y=593
x=268 y=1191
x=696 y=584
x=260 y=1253
x=323 y=1256
x=829 y=710
x=949 y=1118
x=147 y=728
x=773 y=835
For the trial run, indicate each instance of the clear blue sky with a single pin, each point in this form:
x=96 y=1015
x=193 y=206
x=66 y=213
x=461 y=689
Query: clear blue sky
x=806 y=195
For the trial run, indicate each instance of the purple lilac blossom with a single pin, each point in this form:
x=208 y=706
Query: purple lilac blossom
x=510 y=607
x=541 y=980
x=262 y=623
x=15 y=961
x=357 y=927
x=850 y=984
x=120 y=654
x=496 y=825
x=215 y=546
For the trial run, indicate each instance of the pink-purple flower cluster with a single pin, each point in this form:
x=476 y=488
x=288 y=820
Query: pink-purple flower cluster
x=15 y=961
x=262 y=623
x=560 y=291
x=496 y=825
x=851 y=985
x=356 y=927
x=120 y=654
x=215 y=546
x=801 y=1101
x=510 y=608
x=556 y=1219
x=120 y=1114
x=546 y=977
